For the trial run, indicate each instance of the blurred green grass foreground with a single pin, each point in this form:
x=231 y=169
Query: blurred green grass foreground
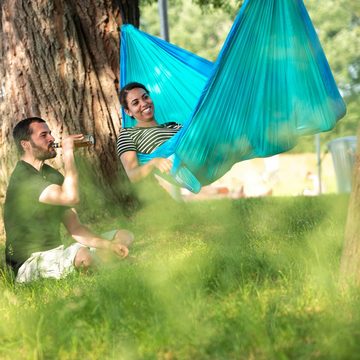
x=228 y=279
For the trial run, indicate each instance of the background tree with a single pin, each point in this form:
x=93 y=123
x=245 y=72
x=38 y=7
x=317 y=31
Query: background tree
x=60 y=60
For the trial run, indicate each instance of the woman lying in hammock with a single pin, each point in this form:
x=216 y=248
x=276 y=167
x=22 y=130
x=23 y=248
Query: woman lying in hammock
x=145 y=136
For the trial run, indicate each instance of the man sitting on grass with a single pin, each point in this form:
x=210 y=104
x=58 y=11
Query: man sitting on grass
x=38 y=200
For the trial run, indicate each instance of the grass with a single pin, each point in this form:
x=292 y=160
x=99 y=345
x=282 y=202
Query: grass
x=245 y=279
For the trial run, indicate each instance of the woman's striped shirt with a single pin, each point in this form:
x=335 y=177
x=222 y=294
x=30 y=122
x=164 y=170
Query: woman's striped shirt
x=146 y=139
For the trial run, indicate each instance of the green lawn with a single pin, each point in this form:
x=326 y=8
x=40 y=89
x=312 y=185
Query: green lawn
x=245 y=279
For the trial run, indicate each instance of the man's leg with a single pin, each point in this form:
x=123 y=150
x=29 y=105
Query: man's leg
x=124 y=237
x=55 y=263
x=83 y=259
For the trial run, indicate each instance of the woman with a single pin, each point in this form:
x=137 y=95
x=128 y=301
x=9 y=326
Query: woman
x=145 y=136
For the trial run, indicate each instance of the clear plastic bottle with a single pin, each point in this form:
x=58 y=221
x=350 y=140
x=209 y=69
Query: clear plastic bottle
x=87 y=141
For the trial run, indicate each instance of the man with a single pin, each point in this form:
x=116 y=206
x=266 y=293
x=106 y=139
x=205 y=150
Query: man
x=38 y=200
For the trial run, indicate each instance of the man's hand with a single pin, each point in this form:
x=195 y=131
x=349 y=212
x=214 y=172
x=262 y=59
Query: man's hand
x=121 y=242
x=119 y=249
x=67 y=143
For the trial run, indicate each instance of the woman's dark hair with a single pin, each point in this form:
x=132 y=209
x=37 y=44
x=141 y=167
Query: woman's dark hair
x=125 y=90
x=22 y=131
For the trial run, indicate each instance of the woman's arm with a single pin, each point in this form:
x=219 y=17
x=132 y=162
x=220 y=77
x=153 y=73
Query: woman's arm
x=136 y=172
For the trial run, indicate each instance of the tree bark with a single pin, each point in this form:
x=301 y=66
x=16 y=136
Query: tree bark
x=350 y=260
x=59 y=59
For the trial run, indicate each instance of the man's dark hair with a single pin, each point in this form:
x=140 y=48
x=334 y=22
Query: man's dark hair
x=125 y=90
x=22 y=131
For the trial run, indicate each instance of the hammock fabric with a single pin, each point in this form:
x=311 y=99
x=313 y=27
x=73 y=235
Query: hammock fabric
x=270 y=84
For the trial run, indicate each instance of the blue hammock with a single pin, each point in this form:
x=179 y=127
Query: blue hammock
x=270 y=84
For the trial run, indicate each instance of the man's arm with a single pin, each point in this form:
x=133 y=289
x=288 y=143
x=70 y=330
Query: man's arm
x=83 y=235
x=66 y=194
x=136 y=172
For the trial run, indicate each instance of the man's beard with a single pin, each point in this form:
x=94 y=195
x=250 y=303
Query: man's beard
x=40 y=153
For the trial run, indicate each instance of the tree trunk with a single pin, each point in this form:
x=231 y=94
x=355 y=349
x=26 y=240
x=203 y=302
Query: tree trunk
x=350 y=260
x=60 y=60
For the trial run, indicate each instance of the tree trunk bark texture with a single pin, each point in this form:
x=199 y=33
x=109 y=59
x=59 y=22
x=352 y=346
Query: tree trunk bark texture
x=350 y=260
x=59 y=59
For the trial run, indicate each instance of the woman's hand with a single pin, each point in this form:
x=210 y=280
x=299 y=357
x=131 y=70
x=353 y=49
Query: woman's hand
x=162 y=164
x=137 y=172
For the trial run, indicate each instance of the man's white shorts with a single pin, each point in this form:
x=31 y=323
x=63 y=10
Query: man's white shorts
x=55 y=263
